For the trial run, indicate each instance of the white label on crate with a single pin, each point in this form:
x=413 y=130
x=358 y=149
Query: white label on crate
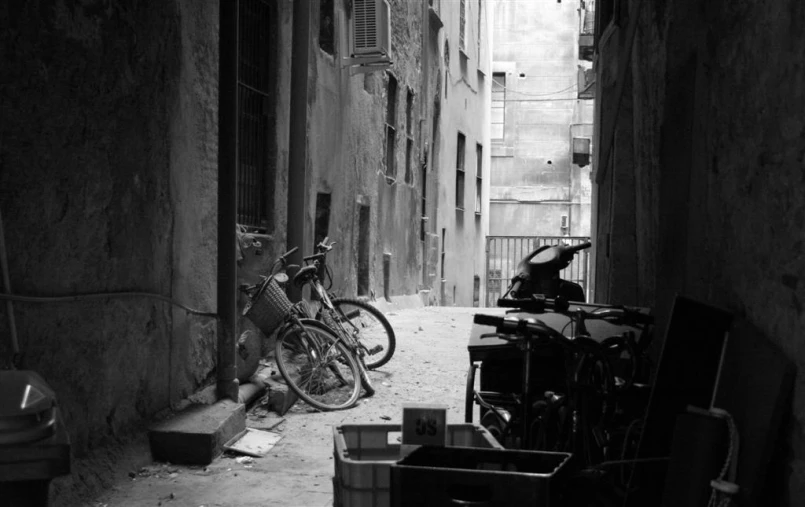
x=424 y=425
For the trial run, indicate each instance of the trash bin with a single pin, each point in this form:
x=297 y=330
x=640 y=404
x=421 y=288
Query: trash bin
x=34 y=444
x=478 y=477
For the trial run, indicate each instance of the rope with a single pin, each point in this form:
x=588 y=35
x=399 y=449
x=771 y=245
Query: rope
x=724 y=487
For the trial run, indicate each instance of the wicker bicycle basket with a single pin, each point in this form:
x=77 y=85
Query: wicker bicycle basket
x=271 y=307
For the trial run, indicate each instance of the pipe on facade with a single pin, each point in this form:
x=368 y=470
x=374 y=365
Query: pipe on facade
x=227 y=386
x=12 y=325
x=297 y=146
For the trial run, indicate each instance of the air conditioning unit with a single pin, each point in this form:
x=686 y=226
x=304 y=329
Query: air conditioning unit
x=371 y=28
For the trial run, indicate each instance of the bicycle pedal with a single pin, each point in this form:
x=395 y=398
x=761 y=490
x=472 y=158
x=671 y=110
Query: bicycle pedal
x=374 y=350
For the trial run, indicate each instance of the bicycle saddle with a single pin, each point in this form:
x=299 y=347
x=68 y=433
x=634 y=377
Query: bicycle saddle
x=304 y=275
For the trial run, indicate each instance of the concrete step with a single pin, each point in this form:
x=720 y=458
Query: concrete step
x=196 y=435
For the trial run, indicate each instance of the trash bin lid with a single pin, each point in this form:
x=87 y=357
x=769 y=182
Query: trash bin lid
x=26 y=407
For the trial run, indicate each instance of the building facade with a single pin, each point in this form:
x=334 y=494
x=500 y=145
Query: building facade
x=542 y=120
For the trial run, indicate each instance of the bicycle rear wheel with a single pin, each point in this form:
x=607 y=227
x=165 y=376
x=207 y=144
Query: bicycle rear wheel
x=318 y=367
x=347 y=341
x=370 y=326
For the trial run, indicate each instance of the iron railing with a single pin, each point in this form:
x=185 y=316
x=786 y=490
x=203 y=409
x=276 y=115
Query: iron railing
x=504 y=253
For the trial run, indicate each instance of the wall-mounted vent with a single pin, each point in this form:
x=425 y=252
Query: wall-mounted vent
x=371 y=28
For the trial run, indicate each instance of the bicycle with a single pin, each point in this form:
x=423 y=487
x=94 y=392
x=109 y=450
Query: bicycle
x=358 y=323
x=310 y=356
x=586 y=411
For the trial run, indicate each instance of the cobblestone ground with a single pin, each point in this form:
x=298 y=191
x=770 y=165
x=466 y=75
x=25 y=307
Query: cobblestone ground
x=429 y=366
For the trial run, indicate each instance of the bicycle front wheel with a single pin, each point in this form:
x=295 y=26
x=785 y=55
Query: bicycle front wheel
x=318 y=367
x=370 y=326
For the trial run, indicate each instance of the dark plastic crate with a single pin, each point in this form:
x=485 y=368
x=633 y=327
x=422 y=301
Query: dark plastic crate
x=478 y=477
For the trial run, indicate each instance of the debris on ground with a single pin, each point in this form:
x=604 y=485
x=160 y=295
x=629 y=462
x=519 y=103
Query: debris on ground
x=159 y=470
x=166 y=498
x=253 y=442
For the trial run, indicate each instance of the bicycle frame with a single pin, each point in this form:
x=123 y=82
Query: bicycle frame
x=335 y=321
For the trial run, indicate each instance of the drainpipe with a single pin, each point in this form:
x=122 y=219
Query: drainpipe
x=297 y=147
x=571 y=200
x=227 y=386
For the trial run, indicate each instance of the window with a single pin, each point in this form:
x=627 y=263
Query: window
x=462 y=25
x=460 y=171
x=255 y=172
x=363 y=249
x=391 y=130
x=441 y=260
x=498 y=105
x=409 y=132
x=326 y=26
x=479 y=165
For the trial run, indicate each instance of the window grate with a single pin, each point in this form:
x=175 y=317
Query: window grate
x=253 y=113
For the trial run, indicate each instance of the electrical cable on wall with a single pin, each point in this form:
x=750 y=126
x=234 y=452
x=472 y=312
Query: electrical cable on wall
x=102 y=295
x=574 y=85
x=85 y=297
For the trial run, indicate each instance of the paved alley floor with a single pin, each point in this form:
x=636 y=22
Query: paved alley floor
x=429 y=366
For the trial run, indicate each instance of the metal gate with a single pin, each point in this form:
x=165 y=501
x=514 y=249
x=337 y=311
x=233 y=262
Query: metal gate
x=504 y=253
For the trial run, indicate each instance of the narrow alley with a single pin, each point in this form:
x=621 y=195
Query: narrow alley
x=429 y=366
x=171 y=172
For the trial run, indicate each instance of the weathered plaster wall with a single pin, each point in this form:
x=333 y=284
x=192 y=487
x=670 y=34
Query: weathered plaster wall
x=536 y=46
x=193 y=130
x=719 y=143
x=346 y=146
x=346 y=150
x=96 y=99
x=464 y=108
x=510 y=217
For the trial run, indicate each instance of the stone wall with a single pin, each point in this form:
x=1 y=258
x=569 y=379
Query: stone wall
x=718 y=147
x=108 y=184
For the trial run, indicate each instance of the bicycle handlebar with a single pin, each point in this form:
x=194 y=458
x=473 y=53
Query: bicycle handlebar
x=314 y=257
x=289 y=253
x=514 y=326
x=618 y=315
x=323 y=246
x=487 y=320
